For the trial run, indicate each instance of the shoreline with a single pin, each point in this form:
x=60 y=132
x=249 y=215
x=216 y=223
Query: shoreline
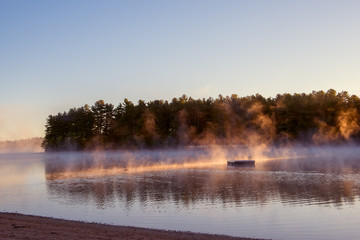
x=20 y=226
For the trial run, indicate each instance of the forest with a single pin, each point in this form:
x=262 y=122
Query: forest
x=316 y=118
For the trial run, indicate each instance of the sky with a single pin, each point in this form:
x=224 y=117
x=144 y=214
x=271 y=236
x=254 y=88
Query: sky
x=55 y=55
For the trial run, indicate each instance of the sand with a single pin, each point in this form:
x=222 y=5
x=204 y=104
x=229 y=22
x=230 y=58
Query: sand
x=18 y=226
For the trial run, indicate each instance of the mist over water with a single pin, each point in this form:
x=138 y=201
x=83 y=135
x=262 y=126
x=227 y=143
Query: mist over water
x=296 y=158
x=22 y=146
x=297 y=192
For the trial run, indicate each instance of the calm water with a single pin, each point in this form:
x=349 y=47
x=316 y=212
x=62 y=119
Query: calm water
x=300 y=198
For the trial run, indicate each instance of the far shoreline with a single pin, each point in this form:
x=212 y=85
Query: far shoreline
x=20 y=226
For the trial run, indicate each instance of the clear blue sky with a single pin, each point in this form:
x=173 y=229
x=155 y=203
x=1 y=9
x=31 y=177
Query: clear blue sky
x=60 y=54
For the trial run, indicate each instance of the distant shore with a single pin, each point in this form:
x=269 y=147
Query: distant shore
x=18 y=226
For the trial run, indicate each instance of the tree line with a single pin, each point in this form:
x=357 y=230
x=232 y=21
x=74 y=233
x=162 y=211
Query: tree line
x=315 y=118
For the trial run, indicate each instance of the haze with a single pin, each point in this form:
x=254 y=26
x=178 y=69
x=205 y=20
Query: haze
x=55 y=55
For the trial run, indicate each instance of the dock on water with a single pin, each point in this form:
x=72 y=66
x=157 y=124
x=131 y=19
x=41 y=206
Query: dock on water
x=241 y=163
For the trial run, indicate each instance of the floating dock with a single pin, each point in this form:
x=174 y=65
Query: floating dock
x=241 y=163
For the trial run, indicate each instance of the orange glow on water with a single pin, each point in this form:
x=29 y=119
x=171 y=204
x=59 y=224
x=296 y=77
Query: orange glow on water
x=99 y=171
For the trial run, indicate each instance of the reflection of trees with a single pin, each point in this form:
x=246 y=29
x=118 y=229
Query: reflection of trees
x=189 y=187
x=334 y=164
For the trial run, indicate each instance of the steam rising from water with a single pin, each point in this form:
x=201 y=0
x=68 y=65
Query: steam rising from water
x=347 y=125
x=348 y=122
x=104 y=163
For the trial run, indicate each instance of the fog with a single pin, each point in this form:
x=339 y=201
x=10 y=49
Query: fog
x=335 y=159
x=22 y=146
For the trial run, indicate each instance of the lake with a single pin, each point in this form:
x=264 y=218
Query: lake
x=296 y=193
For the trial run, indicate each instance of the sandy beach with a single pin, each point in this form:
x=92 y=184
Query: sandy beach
x=18 y=226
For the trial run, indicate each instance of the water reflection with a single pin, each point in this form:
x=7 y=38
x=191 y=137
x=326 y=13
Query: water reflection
x=328 y=164
x=295 y=198
x=20 y=169
x=229 y=187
